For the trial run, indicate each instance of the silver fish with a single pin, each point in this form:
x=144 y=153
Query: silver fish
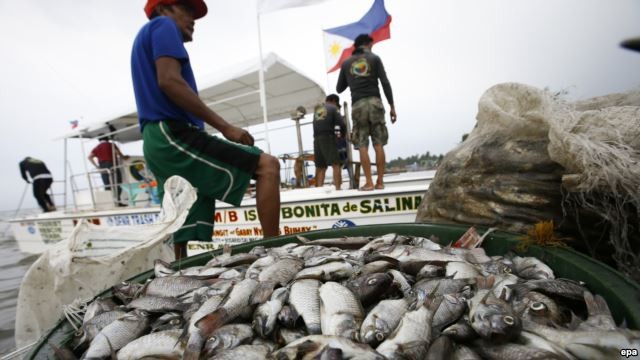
x=401 y=282
x=513 y=351
x=244 y=352
x=538 y=307
x=369 y=288
x=460 y=332
x=309 y=347
x=286 y=336
x=465 y=353
x=430 y=271
x=228 y=337
x=265 y=315
x=233 y=260
x=450 y=310
x=92 y=327
x=382 y=320
x=592 y=344
x=441 y=349
x=531 y=268
x=341 y=313
x=235 y=303
x=305 y=299
x=279 y=273
x=375 y=267
x=118 y=334
x=97 y=307
x=493 y=318
x=196 y=339
x=163 y=344
x=174 y=286
x=157 y=304
x=328 y=272
x=461 y=270
x=412 y=337
x=162 y=268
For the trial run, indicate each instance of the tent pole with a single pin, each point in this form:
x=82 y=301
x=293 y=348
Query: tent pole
x=263 y=95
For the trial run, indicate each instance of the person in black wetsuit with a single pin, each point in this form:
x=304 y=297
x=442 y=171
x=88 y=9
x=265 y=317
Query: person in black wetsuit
x=41 y=179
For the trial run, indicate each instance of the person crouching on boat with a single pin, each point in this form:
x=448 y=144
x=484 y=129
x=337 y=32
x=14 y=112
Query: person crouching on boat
x=172 y=118
x=326 y=118
x=41 y=179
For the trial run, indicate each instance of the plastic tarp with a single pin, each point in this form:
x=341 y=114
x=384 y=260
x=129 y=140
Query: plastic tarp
x=94 y=258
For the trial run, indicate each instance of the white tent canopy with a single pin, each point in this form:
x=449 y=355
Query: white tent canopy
x=234 y=94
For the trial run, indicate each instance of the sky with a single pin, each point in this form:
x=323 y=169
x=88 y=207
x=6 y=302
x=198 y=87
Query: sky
x=70 y=59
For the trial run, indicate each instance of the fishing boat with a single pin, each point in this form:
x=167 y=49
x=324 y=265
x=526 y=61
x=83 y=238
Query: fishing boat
x=236 y=97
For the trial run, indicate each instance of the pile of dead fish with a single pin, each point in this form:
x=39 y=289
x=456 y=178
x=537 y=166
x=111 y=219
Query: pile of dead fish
x=390 y=297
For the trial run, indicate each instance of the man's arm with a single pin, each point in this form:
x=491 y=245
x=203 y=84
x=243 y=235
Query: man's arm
x=342 y=82
x=23 y=171
x=386 y=87
x=176 y=88
x=91 y=159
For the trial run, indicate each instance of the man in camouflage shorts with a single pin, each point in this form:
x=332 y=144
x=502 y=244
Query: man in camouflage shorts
x=360 y=73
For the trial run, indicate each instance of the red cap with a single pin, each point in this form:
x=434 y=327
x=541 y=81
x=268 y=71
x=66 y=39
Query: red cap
x=198 y=6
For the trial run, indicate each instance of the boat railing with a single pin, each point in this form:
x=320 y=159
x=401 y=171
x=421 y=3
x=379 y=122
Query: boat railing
x=90 y=192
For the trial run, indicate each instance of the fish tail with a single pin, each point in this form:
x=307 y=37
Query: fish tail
x=210 y=323
x=596 y=305
x=485 y=282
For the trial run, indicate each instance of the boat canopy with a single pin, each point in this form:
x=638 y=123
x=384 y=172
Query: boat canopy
x=233 y=93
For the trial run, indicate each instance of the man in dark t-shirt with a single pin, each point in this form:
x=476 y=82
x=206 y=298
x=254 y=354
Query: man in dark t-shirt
x=361 y=73
x=326 y=118
x=42 y=180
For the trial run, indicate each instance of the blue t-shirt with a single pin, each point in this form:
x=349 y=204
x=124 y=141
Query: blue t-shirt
x=159 y=37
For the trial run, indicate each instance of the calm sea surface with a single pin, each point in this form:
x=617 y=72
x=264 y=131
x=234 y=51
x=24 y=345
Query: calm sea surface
x=13 y=266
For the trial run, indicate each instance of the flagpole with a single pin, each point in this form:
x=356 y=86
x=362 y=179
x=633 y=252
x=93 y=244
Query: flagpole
x=263 y=95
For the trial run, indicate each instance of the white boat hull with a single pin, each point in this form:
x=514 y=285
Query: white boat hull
x=301 y=210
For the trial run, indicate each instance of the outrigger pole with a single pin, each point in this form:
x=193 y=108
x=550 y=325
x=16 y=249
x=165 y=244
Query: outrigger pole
x=263 y=92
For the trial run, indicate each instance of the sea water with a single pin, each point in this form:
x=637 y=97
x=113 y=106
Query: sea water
x=13 y=266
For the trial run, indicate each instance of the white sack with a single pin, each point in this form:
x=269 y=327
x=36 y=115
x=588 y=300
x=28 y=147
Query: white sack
x=94 y=258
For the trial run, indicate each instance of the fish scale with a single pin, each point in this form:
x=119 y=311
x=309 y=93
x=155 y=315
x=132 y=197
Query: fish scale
x=305 y=299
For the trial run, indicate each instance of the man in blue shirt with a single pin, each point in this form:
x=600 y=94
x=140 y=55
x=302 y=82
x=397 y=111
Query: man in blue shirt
x=172 y=118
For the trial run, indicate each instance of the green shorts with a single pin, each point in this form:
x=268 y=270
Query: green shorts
x=325 y=151
x=368 y=120
x=217 y=168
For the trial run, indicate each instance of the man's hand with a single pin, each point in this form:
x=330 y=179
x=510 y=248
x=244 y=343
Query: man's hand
x=394 y=117
x=236 y=134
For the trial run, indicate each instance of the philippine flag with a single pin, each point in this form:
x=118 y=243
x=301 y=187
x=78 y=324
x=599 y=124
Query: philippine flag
x=338 y=41
x=74 y=123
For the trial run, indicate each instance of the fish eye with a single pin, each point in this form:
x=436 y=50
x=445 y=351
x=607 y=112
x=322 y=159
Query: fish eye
x=537 y=306
x=506 y=269
x=379 y=336
x=79 y=333
x=372 y=281
x=175 y=322
x=509 y=320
